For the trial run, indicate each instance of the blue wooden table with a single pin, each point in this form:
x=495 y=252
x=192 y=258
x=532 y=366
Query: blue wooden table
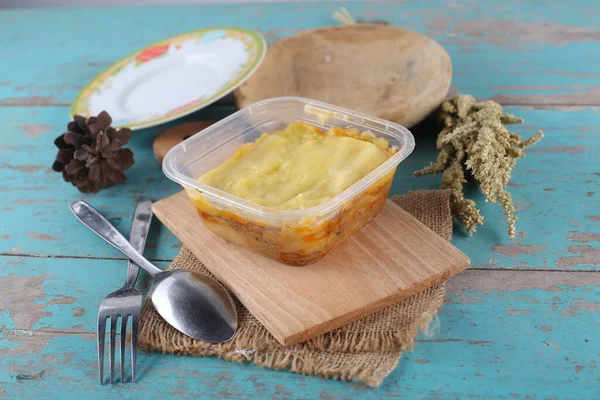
x=523 y=322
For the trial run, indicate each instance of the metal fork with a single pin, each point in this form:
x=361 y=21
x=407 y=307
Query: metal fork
x=126 y=301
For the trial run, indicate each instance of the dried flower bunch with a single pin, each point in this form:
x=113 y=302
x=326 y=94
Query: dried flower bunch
x=90 y=154
x=474 y=139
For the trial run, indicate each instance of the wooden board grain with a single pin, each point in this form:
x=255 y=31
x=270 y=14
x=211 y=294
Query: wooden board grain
x=390 y=259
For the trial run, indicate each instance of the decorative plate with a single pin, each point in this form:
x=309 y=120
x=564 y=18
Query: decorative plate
x=173 y=77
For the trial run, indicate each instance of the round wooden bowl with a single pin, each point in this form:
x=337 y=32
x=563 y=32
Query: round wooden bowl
x=380 y=70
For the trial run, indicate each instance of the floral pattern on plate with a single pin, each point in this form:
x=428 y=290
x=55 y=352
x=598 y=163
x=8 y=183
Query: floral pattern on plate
x=173 y=77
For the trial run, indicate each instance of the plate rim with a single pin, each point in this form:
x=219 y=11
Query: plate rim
x=262 y=51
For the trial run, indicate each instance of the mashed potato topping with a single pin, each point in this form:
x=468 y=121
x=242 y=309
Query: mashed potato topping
x=299 y=167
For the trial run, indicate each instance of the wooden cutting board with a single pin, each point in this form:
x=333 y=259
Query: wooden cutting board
x=388 y=260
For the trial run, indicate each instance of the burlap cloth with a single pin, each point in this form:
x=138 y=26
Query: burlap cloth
x=366 y=350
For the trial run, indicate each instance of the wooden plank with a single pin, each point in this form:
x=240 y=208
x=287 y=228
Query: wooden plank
x=34 y=215
x=513 y=334
x=519 y=57
x=371 y=271
x=501 y=334
x=555 y=187
x=504 y=333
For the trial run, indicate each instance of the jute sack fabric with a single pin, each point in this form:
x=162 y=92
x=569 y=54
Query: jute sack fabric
x=366 y=350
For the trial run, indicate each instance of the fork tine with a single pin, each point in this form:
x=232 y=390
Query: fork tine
x=123 y=338
x=134 y=334
x=100 y=336
x=113 y=334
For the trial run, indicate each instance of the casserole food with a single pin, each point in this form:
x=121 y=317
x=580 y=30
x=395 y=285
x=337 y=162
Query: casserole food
x=295 y=232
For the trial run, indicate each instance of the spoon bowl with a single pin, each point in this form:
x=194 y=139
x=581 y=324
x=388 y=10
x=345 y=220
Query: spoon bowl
x=175 y=296
x=191 y=302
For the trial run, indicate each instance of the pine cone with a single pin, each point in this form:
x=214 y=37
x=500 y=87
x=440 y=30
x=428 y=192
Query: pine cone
x=90 y=154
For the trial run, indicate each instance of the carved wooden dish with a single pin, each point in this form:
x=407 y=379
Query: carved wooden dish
x=387 y=72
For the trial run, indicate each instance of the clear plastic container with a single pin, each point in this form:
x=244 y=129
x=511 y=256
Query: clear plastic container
x=294 y=237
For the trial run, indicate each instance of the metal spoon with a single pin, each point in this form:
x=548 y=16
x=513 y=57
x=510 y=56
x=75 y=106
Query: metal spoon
x=191 y=302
